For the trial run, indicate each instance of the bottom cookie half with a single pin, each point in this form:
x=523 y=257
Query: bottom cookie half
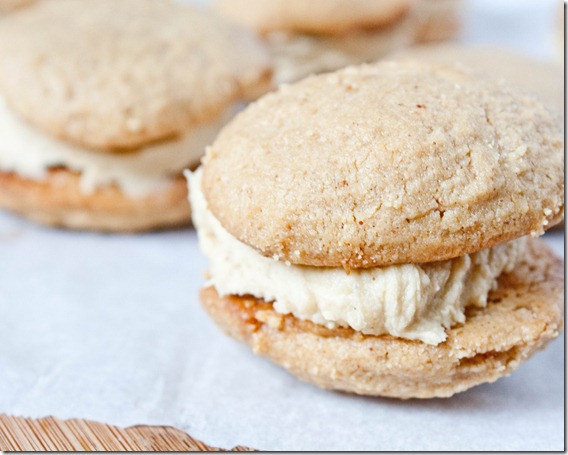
x=58 y=201
x=523 y=314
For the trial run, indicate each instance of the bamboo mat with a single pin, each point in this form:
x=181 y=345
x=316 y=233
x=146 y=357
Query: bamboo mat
x=52 y=434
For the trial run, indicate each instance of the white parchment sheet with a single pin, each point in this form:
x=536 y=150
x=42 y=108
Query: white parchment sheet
x=109 y=328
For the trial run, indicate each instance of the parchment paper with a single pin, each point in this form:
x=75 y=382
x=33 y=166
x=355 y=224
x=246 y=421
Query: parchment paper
x=108 y=327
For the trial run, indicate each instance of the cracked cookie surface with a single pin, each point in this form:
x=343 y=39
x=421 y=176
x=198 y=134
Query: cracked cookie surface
x=387 y=164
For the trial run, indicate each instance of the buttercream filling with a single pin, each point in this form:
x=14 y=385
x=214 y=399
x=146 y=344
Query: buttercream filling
x=411 y=301
x=30 y=153
x=298 y=55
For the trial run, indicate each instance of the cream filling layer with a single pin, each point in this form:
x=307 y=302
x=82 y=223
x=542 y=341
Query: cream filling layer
x=412 y=301
x=296 y=56
x=30 y=153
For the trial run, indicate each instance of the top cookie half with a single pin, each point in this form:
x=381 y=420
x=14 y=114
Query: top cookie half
x=115 y=75
x=325 y=17
x=386 y=164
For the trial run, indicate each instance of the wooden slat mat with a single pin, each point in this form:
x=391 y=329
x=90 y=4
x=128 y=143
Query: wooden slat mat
x=22 y=434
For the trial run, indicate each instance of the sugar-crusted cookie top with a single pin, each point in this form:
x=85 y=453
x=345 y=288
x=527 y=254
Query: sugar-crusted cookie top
x=115 y=75
x=386 y=164
x=327 y=17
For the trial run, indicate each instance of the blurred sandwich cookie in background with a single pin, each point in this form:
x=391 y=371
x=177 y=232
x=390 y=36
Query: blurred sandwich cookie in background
x=437 y=20
x=544 y=79
x=7 y=6
x=104 y=103
x=306 y=37
x=561 y=32
x=373 y=230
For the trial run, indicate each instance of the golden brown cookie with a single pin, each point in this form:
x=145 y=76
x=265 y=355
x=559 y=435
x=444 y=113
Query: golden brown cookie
x=523 y=314
x=387 y=164
x=118 y=75
x=544 y=79
x=58 y=201
x=325 y=17
x=339 y=215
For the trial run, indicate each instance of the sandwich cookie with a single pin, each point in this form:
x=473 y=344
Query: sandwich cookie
x=324 y=35
x=102 y=105
x=374 y=230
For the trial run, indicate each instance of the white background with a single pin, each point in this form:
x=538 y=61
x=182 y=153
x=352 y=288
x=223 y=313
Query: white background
x=108 y=327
